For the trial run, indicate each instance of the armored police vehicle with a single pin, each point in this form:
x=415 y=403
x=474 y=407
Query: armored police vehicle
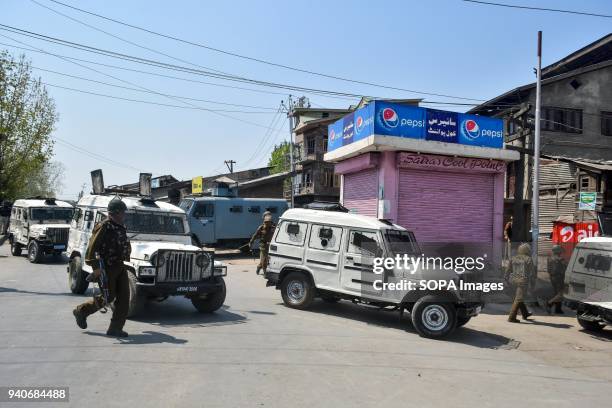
x=228 y=221
x=163 y=261
x=39 y=225
x=332 y=255
x=588 y=281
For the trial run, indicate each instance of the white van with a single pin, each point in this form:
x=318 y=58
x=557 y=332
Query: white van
x=39 y=225
x=588 y=282
x=331 y=255
x=163 y=261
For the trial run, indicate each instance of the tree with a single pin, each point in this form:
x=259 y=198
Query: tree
x=279 y=158
x=27 y=118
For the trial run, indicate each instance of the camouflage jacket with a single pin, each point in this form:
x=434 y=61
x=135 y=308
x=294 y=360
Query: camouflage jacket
x=522 y=271
x=556 y=269
x=264 y=233
x=110 y=241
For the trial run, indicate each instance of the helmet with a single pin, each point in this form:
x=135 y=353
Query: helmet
x=267 y=216
x=116 y=205
x=556 y=249
x=524 y=249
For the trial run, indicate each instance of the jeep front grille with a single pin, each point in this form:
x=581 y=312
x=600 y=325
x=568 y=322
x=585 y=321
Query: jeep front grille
x=178 y=266
x=57 y=235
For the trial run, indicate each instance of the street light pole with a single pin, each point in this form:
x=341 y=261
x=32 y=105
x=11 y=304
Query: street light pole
x=535 y=208
x=291 y=162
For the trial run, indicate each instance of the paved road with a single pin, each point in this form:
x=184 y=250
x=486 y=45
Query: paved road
x=258 y=353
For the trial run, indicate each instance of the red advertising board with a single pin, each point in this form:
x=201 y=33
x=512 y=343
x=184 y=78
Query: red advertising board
x=568 y=235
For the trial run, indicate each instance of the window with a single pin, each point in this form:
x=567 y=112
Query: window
x=606 y=123
x=273 y=210
x=325 y=237
x=325 y=143
x=204 y=210
x=154 y=223
x=584 y=182
x=325 y=115
x=328 y=178
x=364 y=243
x=310 y=145
x=561 y=120
x=292 y=233
x=185 y=205
x=254 y=209
x=336 y=180
x=236 y=209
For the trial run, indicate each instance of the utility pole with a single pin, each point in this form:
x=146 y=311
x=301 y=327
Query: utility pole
x=291 y=160
x=535 y=208
x=230 y=165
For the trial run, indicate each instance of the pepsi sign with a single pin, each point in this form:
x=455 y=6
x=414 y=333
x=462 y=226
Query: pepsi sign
x=364 y=123
x=480 y=131
x=334 y=135
x=399 y=120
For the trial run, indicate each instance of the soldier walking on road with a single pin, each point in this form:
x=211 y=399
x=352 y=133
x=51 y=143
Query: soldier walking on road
x=109 y=243
x=521 y=275
x=264 y=233
x=556 y=271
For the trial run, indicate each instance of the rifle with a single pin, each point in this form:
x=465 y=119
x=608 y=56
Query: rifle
x=102 y=284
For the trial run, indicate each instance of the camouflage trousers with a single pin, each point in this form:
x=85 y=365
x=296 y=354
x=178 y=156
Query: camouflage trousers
x=118 y=291
x=518 y=303
x=264 y=258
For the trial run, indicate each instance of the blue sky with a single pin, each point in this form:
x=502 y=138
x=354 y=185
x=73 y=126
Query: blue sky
x=439 y=46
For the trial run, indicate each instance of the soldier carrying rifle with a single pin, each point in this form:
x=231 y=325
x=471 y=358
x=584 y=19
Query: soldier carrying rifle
x=108 y=248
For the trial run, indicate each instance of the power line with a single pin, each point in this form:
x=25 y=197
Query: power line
x=534 y=8
x=257 y=59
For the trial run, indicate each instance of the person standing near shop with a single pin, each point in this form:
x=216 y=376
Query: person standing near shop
x=556 y=271
x=520 y=275
x=508 y=238
x=264 y=233
x=109 y=243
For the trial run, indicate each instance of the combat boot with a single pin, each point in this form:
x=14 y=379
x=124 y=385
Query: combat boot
x=81 y=319
x=116 y=333
x=258 y=269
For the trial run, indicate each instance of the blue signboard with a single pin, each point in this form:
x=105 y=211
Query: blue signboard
x=399 y=120
x=441 y=126
x=481 y=131
x=390 y=119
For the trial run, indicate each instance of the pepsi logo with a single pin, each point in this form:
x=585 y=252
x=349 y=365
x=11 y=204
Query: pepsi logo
x=332 y=135
x=389 y=117
x=471 y=129
x=359 y=124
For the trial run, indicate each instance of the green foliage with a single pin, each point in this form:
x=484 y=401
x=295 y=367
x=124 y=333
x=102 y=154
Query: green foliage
x=27 y=118
x=279 y=159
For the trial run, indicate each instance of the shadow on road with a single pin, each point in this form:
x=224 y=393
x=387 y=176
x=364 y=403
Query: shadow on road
x=146 y=337
x=31 y=292
x=180 y=312
x=391 y=319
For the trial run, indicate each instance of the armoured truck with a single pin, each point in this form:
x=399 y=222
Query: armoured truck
x=39 y=225
x=588 y=282
x=163 y=261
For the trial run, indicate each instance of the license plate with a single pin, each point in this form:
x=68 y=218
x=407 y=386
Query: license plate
x=187 y=289
x=59 y=246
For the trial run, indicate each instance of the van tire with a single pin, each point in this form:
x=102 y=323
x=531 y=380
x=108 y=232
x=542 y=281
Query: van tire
x=589 y=325
x=433 y=317
x=15 y=248
x=77 y=278
x=212 y=302
x=136 y=303
x=297 y=290
x=34 y=253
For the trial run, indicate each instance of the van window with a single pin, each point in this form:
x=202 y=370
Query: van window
x=292 y=233
x=273 y=210
x=364 y=243
x=236 y=209
x=325 y=237
x=185 y=205
x=204 y=210
x=254 y=209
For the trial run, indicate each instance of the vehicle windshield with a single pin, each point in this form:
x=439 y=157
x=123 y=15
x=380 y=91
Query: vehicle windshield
x=185 y=205
x=63 y=215
x=146 y=222
x=401 y=242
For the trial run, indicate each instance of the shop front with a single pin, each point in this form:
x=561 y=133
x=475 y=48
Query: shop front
x=424 y=174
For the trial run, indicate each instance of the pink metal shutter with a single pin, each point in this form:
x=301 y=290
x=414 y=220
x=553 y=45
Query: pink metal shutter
x=361 y=192
x=445 y=206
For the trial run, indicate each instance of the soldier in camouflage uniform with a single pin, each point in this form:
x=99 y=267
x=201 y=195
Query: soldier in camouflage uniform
x=521 y=275
x=109 y=243
x=556 y=271
x=264 y=233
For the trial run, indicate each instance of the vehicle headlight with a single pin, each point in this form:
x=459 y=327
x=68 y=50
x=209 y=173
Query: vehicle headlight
x=203 y=261
x=146 y=271
x=158 y=259
x=220 y=270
